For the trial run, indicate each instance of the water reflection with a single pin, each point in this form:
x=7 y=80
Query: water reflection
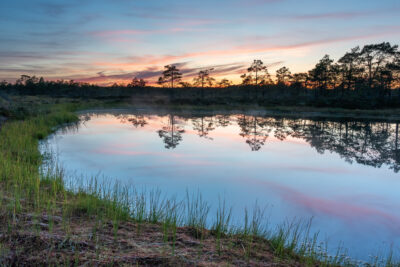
x=203 y=126
x=299 y=167
x=369 y=143
x=254 y=130
x=172 y=132
x=135 y=120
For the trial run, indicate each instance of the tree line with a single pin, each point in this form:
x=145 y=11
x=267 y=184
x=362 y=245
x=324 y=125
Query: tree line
x=370 y=73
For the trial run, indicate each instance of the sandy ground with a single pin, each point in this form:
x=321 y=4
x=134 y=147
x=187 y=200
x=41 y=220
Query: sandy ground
x=38 y=240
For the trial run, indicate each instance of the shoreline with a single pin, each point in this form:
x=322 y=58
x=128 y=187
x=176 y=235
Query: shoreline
x=388 y=115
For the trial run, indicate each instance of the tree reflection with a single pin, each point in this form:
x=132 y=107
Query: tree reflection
x=138 y=121
x=172 y=133
x=135 y=120
x=203 y=126
x=372 y=144
x=363 y=142
x=223 y=120
x=253 y=130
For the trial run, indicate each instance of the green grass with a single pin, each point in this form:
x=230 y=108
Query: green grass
x=27 y=186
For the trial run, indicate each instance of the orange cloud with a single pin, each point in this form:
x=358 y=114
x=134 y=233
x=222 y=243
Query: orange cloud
x=240 y=50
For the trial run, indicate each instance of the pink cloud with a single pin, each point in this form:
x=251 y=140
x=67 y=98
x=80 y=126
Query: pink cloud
x=349 y=212
x=239 y=50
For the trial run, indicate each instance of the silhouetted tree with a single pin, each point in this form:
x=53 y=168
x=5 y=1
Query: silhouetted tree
x=322 y=74
x=394 y=67
x=300 y=79
x=137 y=83
x=161 y=81
x=375 y=57
x=203 y=79
x=224 y=83
x=185 y=84
x=170 y=74
x=3 y=84
x=247 y=79
x=258 y=69
x=350 y=67
x=115 y=85
x=283 y=75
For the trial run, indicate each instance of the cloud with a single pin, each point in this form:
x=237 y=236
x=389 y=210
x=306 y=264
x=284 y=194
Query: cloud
x=349 y=212
x=124 y=35
x=22 y=55
x=153 y=73
x=343 y=15
x=238 y=50
x=101 y=74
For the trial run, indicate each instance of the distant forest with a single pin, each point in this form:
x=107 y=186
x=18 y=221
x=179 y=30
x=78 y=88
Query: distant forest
x=367 y=77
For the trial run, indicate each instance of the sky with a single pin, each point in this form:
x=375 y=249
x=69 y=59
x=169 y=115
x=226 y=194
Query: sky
x=107 y=41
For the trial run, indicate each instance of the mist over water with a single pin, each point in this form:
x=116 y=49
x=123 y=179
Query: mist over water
x=342 y=173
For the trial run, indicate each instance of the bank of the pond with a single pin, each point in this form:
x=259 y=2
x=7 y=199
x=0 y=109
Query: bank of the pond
x=43 y=223
x=19 y=107
x=391 y=114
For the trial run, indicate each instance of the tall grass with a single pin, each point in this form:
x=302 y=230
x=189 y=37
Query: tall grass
x=27 y=186
x=197 y=211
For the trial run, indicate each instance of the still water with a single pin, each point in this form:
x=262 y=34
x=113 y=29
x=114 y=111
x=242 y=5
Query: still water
x=342 y=173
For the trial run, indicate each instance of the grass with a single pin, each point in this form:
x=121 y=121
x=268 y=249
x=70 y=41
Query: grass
x=37 y=195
